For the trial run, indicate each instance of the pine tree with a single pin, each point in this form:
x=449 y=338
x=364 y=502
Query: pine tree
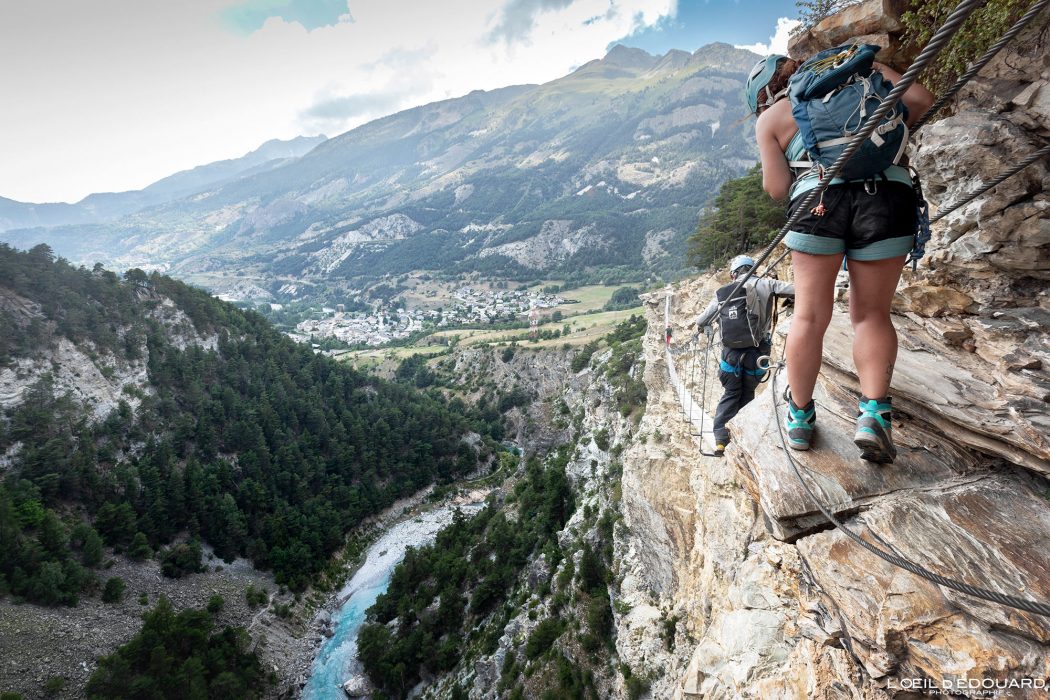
x=139 y=548
x=811 y=12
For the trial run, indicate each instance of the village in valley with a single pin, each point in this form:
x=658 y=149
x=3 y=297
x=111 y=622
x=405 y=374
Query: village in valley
x=469 y=306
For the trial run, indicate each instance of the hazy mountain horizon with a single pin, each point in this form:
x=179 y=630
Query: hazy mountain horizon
x=607 y=166
x=100 y=206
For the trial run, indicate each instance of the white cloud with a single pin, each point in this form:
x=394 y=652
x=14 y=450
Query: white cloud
x=778 y=43
x=518 y=17
x=114 y=94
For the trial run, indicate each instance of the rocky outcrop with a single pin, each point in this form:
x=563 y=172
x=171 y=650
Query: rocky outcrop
x=556 y=241
x=358 y=687
x=696 y=551
x=946 y=502
x=545 y=375
x=601 y=433
x=870 y=22
x=96 y=380
x=379 y=231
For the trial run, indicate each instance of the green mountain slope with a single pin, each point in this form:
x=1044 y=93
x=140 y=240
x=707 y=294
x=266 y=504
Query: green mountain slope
x=608 y=166
x=149 y=414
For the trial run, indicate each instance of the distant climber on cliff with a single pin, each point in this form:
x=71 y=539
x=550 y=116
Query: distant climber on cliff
x=744 y=322
x=869 y=217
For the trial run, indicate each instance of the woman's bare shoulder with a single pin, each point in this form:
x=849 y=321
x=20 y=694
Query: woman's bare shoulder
x=777 y=123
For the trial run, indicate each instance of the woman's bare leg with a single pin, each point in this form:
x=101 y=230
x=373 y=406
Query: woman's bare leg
x=872 y=284
x=814 y=298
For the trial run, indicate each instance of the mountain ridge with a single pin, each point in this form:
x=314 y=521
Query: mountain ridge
x=103 y=206
x=479 y=176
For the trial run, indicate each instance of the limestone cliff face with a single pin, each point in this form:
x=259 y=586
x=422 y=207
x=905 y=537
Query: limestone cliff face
x=97 y=379
x=773 y=603
x=545 y=376
x=696 y=549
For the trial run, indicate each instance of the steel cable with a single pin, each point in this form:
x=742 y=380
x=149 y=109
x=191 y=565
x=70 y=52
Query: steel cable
x=1006 y=174
x=1032 y=606
x=703 y=391
x=692 y=381
x=981 y=63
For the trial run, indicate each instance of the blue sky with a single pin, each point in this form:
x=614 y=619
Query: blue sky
x=111 y=95
x=701 y=22
x=247 y=16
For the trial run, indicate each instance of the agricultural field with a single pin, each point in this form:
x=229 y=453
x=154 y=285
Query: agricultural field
x=581 y=315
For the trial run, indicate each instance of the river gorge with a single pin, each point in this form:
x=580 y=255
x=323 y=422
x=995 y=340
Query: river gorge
x=336 y=660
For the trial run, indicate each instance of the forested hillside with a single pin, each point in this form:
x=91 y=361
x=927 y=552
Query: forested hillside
x=225 y=432
x=470 y=571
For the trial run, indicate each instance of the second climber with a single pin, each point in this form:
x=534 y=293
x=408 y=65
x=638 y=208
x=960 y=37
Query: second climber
x=744 y=321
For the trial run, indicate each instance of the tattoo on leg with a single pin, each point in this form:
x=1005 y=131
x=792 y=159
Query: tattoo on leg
x=889 y=372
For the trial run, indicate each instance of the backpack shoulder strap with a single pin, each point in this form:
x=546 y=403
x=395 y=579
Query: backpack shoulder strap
x=723 y=292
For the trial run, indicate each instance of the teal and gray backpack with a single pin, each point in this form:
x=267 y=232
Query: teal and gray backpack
x=831 y=96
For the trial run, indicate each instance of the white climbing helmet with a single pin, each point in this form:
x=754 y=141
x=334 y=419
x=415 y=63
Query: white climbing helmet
x=739 y=262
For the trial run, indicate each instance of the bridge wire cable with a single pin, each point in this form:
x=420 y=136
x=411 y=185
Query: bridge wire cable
x=703 y=389
x=692 y=381
x=975 y=68
x=925 y=57
x=1032 y=158
x=1032 y=606
x=703 y=394
x=772 y=265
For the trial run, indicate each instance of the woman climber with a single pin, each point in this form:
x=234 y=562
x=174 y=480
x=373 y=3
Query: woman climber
x=871 y=222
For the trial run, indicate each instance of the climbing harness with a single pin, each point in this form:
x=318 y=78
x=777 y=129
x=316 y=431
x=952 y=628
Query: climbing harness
x=738 y=370
x=1032 y=606
x=922 y=216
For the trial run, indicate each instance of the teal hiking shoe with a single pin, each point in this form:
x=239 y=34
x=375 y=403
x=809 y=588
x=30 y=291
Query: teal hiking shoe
x=874 y=434
x=799 y=423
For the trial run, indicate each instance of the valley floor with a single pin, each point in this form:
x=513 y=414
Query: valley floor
x=40 y=644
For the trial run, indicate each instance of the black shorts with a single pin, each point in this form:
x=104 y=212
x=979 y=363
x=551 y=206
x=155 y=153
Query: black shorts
x=864 y=226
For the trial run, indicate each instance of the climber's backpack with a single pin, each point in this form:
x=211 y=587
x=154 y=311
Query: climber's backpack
x=738 y=325
x=831 y=95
